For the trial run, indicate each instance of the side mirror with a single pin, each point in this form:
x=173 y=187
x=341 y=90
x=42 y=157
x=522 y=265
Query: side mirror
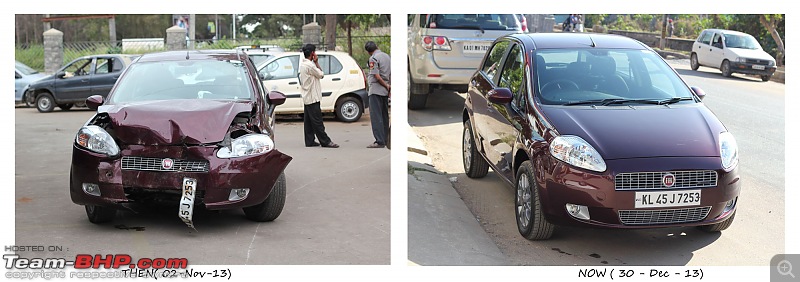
x=262 y=76
x=94 y=101
x=276 y=98
x=500 y=96
x=60 y=74
x=699 y=92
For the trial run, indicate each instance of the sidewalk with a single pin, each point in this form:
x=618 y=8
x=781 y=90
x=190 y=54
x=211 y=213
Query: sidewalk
x=441 y=230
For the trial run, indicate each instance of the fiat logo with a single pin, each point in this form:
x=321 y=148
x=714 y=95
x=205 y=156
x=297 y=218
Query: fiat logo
x=668 y=180
x=167 y=163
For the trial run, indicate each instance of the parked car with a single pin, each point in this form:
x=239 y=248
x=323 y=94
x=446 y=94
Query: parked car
x=77 y=80
x=343 y=85
x=25 y=75
x=597 y=130
x=261 y=53
x=732 y=52
x=445 y=49
x=189 y=128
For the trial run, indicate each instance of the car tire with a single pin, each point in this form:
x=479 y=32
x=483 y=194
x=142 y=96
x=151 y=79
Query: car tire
x=271 y=208
x=717 y=227
x=29 y=99
x=417 y=94
x=475 y=165
x=349 y=109
x=694 y=62
x=99 y=214
x=65 y=107
x=766 y=78
x=528 y=206
x=45 y=103
x=725 y=68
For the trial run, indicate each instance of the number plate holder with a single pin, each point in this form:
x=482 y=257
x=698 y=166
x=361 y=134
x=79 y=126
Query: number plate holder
x=186 y=206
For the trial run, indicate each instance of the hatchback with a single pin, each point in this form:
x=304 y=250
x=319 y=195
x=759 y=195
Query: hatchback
x=597 y=130
x=732 y=52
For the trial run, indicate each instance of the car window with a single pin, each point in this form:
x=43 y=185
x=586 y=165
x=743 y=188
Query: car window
x=23 y=69
x=493 y=60
x=329 y=64
x=511 y=76
x=717 y=42
x=474 y=21
x=741 y=41
x=258 y=59
x=17 y=76
x=107 y=65
x=706 y=37
x=78 y=68
x=281 y=68
x=194 y=79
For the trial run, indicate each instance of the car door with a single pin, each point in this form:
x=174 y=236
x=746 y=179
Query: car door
x=702 y=47
x=280 y=74
x=483 y=110
x=19 y=84
x=75 y=82
x=106 y=72
x=333 y=81
x=716 y=53
x=503 y=120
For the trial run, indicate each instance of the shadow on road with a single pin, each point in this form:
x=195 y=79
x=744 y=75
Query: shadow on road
x=441 y=103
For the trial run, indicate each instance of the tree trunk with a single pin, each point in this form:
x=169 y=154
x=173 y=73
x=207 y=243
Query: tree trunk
x=349 y=38
x=662 y=44
x=330 y=32
x=775 y=36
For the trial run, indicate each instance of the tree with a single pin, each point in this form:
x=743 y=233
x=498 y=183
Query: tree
x=769 y=22
x=330 y=31
x=361 y=20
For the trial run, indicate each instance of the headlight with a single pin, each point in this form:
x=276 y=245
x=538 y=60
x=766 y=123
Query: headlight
x=96 y=139
x=576 y=151
x=741 y=60
x=771 y=63
x=247 y=145
x=728 y=150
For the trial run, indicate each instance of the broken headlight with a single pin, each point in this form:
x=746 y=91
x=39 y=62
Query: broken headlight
x=96 y=139
x=247 y=145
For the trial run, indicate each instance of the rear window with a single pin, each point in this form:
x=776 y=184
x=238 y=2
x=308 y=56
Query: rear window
x=25 y=69
x=474 y=21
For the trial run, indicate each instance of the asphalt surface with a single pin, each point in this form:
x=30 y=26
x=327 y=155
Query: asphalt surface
x=752 y=110
x=337 y=207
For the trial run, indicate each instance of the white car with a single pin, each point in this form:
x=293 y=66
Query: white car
x=344 y=90
x=731 y=52
x=261 y=53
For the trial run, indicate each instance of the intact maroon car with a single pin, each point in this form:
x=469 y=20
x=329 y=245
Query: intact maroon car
x=186 y=127
x=597 y=130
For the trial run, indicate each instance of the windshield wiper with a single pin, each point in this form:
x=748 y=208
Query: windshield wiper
x=611 y=101
x=674 y=100
x=586 y=102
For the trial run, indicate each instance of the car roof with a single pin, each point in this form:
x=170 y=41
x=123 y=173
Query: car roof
x=579 y=40
x=726 y=31
x=220 y=55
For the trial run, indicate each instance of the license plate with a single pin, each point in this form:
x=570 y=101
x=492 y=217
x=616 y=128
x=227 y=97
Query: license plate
x=475 y=48
x=758 y=67
x=186 y=208
x=665 y=199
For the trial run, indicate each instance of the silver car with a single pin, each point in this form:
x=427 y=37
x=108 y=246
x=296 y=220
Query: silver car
x=24 y=76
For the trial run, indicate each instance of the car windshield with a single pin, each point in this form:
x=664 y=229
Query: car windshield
x=583 y=76
x=258 y=59
x=474 y=21
x=218 y=80
x=26 y=70
x=741 y=41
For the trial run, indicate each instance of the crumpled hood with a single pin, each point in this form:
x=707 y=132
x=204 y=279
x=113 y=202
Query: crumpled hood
x=620 y=132
x=172 y=122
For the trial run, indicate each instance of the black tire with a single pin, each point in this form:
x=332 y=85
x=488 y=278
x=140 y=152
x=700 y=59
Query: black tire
x=271 y=208
x=766 y=78
x=694 y=62
x=417 y=94
x=29 y=99
x=528 y=210
x=65 y=107
x=474 y=164
x=98 y=214
x=349 y=109
x=718 y=226
x=725 y=68
x=45 y=103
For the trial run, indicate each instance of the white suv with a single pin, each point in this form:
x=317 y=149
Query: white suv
x=343 y=87
x=731 y=52
x=446 y=49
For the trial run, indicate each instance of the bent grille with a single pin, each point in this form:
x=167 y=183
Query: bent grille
x=653 y=180
x=154 y=164
x=641 y=217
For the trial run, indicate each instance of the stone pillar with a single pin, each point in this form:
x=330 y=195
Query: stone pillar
x=112 y=30
x=53 y=50
x=549 y=22
x=176 y=38
x=312 y=34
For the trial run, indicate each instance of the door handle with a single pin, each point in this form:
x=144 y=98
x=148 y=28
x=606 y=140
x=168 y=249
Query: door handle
x=84 y=80
x=336 y=79
x=292 y=83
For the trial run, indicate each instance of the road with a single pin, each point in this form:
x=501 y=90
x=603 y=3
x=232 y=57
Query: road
x=752 y=110
x=336 y=212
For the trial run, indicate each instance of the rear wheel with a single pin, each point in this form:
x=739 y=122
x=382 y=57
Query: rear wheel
x=98 y=214
x=717 y=227
x=725 y=68
x=271 y=208
x=65 y=107
x=349 y=109
x=45 y=103
x=695 y=64
x=417 y=94
x=766 y=77
x=474 y=164
x=530 y=218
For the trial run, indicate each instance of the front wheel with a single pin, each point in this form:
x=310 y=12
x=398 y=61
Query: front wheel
x=45 y=103
x=717 y=227
x=30 y=100
x=349 y=109
x=725 y=68
x=474 y=164
x=530 y=218
x=272 y=207
x=766 y=78
x=695 y=64
x=98 y=214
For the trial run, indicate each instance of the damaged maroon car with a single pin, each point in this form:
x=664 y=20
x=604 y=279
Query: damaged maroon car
x=191 y=128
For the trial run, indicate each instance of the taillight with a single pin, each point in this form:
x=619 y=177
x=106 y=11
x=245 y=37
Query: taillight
x=435 y=43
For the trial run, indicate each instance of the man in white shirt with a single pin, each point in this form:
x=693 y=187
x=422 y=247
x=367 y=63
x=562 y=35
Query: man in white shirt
x=310 y=88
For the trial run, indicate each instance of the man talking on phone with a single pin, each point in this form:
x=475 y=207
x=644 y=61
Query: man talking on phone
x=310 y=88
